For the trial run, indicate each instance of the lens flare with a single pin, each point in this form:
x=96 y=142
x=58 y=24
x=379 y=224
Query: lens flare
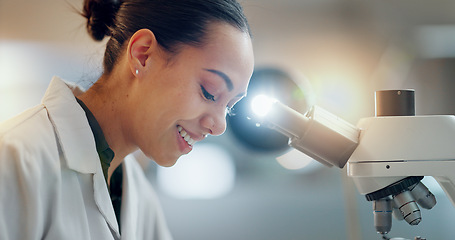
x=261 y=105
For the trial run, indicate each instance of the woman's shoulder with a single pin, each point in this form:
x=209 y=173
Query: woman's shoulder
x=20 y=119
x=28 y=141
x=29 y=172
x=31 y=128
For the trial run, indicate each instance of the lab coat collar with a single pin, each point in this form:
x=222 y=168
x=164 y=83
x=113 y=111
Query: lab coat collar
x=77 y=142
x=71 y=126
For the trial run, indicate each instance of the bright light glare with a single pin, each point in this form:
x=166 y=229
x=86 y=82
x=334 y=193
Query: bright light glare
x=261 y=105
x=205 y=173
x=296 y=160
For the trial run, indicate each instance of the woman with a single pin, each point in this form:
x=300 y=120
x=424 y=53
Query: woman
x=172 y=69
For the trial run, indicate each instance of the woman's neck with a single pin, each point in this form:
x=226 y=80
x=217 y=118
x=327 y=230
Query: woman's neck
x=106 y=99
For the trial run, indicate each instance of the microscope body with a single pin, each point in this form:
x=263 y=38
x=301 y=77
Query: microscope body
x=393 y=148
x=391 y=154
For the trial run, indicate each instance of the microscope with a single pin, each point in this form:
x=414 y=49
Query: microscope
x=387 y=156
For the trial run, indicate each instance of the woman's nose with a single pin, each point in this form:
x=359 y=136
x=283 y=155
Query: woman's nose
x=215 y=123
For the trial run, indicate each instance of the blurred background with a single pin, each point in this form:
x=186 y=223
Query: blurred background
x=337 y=51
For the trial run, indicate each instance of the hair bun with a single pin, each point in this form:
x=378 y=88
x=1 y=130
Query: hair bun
x=100 y=16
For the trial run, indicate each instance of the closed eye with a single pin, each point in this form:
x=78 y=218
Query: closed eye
x=206 y=94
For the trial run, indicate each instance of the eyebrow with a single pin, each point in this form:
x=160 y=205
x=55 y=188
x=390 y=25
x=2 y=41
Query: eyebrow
x=225 y=77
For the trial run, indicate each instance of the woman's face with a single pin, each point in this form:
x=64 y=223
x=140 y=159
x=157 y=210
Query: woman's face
x=182 y=101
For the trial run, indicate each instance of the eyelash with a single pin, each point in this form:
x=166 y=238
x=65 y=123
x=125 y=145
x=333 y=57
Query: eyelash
x=210 y=97
x=230 y=111
x=207 y=95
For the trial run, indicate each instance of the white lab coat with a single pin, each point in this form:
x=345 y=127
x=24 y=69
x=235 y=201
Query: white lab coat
x=52 y=185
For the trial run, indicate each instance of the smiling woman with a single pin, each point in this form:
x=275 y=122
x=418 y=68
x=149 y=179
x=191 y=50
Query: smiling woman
x=187 y=95
x=172 y=68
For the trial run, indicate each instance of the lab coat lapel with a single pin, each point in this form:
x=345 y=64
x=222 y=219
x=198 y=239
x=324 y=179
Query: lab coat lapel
x=101 y=197
x=77 y=141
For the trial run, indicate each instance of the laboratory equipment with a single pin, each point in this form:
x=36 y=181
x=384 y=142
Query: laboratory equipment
x=386 y=155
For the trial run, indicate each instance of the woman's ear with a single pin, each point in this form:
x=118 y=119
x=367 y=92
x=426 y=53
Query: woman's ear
x=141 y=46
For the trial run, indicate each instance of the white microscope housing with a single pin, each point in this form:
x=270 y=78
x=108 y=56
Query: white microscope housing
x=393 y=149
x=396 y=149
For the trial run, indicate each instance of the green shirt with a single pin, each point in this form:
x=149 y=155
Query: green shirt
x=106 y=155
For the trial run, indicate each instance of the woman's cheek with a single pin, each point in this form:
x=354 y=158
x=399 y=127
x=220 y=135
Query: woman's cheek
x=191 y=107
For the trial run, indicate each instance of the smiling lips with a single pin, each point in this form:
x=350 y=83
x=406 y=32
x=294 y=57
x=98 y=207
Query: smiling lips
x=186 y=136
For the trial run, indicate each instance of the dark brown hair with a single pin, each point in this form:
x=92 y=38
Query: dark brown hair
x=173 y=22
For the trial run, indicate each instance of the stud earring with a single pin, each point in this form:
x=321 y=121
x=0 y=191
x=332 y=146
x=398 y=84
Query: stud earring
x=137 y=71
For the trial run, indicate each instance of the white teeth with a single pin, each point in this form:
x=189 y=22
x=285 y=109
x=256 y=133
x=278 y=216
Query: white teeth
x=185 y=136
x=183 y=133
